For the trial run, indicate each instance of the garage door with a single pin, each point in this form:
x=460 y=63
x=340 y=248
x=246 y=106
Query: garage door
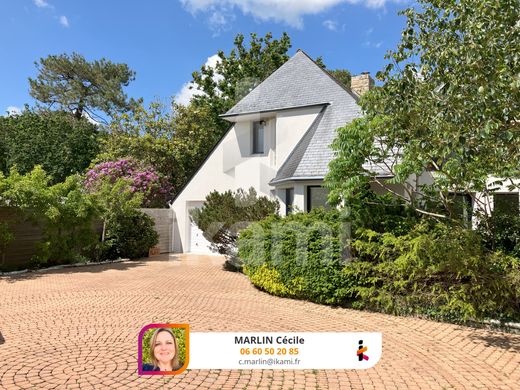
x=198 y=243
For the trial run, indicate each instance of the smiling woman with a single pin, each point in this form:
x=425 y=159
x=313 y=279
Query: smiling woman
x=164 y=351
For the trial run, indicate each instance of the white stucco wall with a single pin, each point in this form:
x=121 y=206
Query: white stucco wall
x=231 y=165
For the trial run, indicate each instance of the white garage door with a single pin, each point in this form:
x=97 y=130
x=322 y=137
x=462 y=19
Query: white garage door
x=198 y=243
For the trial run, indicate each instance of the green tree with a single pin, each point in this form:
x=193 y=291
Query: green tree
x=343 y=76
x=127 y=231
x=247 y=65
x=174 y=142
x=77 y=85
x=449 y=103
x=224 y=215
x=55 y=140
x=235 y=74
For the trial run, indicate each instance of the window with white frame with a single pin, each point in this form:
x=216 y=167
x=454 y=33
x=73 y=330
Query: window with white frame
x=258 y=137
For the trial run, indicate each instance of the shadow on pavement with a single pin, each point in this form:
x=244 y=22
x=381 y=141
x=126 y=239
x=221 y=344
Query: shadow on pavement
x=509 y=341
x=91 y=268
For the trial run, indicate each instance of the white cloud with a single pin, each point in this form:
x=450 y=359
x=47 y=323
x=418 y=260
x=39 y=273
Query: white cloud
x=376 y=45
x=42 y=4
x=217 y=19
x=13 y=110
x=331 y=25
x=290 y=12
x=212 y=62
x=221 y=20
x=186 y=93
x=64 y=21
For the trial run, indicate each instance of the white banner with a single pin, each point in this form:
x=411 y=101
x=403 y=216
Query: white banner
x=248 y=350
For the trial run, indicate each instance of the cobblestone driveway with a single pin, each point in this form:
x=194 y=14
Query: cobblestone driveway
x=77 y=328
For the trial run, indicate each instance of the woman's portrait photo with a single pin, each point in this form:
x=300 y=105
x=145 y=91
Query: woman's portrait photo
x=163 y=349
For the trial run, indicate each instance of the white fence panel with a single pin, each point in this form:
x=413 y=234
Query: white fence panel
x=163 y=226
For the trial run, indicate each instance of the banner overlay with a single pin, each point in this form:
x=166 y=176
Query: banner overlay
x=302 y=350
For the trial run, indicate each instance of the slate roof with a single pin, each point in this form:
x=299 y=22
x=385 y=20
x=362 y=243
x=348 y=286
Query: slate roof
x=297 y=83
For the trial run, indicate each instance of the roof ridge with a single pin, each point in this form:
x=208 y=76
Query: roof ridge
x=324 y=70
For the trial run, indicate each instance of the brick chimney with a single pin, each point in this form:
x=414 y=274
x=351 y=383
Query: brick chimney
x=361 y=83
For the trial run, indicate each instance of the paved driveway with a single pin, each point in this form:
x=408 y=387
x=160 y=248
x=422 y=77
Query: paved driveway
x=77 y=328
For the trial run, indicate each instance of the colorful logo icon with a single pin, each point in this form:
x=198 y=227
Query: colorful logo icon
x=361 y=352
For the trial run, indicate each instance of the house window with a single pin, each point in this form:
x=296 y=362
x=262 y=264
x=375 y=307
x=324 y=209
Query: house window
x=317 y=197
x=463 y=208
x=289 y=200
x=506 y=204
x=258 y=137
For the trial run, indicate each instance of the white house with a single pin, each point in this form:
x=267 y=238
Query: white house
x=278 y=144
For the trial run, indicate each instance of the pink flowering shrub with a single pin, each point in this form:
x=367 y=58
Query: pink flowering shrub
x=143 y=179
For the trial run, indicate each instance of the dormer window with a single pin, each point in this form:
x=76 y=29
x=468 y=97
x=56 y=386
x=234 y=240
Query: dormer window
x=258 y=137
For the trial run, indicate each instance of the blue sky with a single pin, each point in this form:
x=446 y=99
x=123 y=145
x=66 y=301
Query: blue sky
x=164 y=41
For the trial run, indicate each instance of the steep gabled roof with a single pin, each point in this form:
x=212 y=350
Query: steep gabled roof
x=297 y=83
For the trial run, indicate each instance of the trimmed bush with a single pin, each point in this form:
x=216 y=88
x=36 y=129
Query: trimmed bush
x=129 y=236
x=298 y=256
x=224 y=215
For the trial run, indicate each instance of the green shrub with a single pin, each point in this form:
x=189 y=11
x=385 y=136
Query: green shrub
x=129 y=236
x=127 y=232
x=269 y=280
x=298 y=256
x=67 y=216
x=64 y=212
x=436 y=270
x=224 y=215
x=501 y=232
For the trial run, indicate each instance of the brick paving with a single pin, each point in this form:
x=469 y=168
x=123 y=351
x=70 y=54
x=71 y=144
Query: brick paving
x=76 y=328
